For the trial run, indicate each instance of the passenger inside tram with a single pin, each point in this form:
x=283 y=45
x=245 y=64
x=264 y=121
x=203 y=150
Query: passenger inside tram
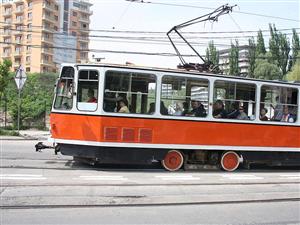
x=198 y=109
x=151 y=108
x=263 y=114
x=91 y=97
x=287 y=116
x=218 y=110
x=123 y=106
x=242 y=115
x=234 y=113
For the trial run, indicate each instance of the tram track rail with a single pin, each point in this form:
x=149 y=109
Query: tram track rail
x=113 y=205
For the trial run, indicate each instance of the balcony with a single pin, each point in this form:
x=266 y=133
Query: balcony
x=19 y=10
x=83 y=39
x=84 y=20
x=6 y=33
x=47 y=63
x=48 y=29
x=47 y=40
x=6 y=55
x=48 y=7
x=47 y=51
x=6 y=3
x=7 y=13
x=18 y=53
x=19 y=21
x=49 y=19
x=7 y=23
x=87 y=11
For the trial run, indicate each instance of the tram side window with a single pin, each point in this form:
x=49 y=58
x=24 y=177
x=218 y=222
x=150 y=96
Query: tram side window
x=182 y=96
x=278 y=104
x=87 y=92
x=234 y=100
x=128 y=92
x=64 y=89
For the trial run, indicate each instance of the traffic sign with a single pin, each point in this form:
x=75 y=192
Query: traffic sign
x=20 y=77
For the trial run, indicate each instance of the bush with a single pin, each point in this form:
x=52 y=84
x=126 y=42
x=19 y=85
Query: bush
x=9 y=133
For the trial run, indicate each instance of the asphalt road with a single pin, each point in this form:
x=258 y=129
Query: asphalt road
x=44 y=188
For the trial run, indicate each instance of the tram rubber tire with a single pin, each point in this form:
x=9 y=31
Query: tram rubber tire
x=230 y=161
x=173 y=160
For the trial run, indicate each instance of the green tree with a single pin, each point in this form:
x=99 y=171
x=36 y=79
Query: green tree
x=265 y=69
x=260 y=47
x=234 y=59
x=4 y=76
x=294 y=74
x=295 y=49
x=36 y=94
x=212 y=53
x=251 y=55
x=279 y=48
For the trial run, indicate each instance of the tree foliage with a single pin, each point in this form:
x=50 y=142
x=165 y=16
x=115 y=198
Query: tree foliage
x=4 y=75
x=265 y=69
x=279 y=48
x=251 y=55
x=294 y=74
x=212 y=54
x=36 y=96
x=295 y=49
x=234 y=59
x=260 y=46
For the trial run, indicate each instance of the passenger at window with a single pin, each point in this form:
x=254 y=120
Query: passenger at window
x=278 y=110
x=263 y=113
x=287 y=116
x=122 y=106
x=163 y=109
x=91 y=96
x=151 y=108
x=178 y=109
x=235 y=111
x=218 y=110
x=185 y=111
x=242 y=115
x=198 y=109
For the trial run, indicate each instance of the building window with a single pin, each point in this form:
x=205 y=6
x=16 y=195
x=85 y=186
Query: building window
x=74 y=24
x=27 y=69
x=74 y=33
x=56 y=18
x=30 y=5
x=29 y=26
x=28 y=58
x=74 y=13
x=30 y=16
x=56 y=7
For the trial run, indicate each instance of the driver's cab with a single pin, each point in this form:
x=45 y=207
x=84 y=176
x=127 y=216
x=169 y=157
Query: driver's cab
x=79 y=85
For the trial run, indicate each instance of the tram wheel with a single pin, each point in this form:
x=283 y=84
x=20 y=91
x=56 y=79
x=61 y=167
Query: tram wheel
x=230 y=161
x=173 y=160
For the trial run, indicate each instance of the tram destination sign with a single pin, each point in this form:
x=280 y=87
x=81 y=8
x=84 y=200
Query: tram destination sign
x=20 y=77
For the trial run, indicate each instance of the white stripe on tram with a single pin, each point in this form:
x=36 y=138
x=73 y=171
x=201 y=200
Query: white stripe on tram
x=177 y=146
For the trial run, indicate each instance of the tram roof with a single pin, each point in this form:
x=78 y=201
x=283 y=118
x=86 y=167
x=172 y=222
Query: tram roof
x=191 y=72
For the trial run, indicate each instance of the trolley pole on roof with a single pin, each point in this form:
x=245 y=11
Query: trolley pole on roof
x=20 y=80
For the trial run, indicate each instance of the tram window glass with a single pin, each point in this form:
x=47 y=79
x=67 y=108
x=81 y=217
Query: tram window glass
x=87 y=92
x=129 y=92
x=280 y=103
x=234 y=100
x=182 y=96
x=64 y=89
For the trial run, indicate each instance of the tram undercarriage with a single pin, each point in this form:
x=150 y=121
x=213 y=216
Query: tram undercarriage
x=173 y=160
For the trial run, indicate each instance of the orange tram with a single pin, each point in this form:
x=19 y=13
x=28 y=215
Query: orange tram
x=129 y=114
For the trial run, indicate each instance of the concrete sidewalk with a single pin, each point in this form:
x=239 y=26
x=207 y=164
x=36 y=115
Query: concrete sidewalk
x=28 y=135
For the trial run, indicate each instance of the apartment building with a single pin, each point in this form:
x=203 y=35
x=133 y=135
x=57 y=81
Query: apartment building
x=243 y=60
x=42 y=34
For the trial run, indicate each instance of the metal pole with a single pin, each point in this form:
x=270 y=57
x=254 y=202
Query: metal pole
x=19 y=111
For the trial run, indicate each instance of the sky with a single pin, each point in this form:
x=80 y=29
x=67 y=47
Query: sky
x=112 y=17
